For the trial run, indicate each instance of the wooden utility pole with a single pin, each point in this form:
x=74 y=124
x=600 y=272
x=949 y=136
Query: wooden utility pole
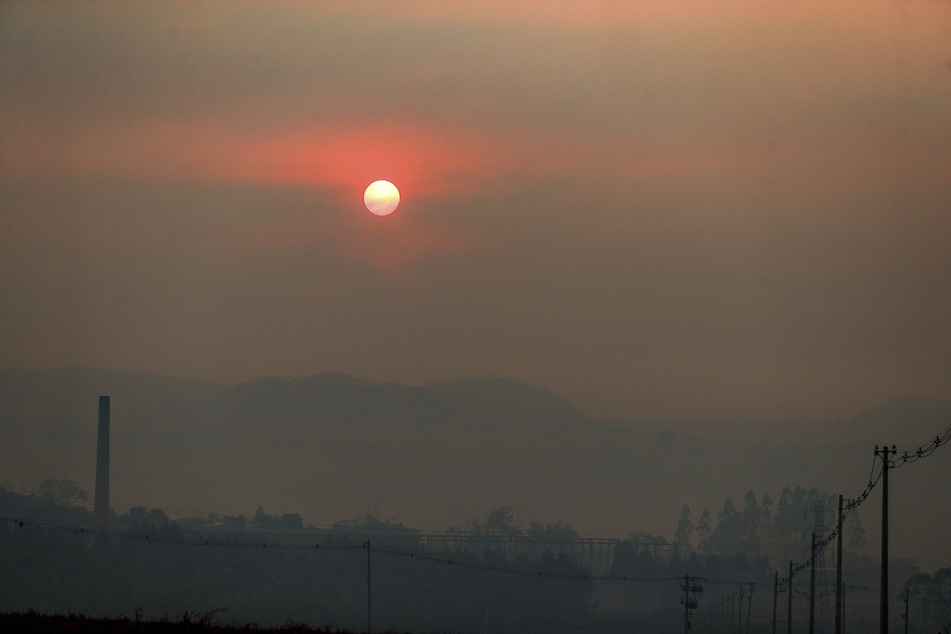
x=885 y=452
x=906 y=610
x=789 y=609
x=749 y=607
x=739 y=612
x=775 y=598
x=690 y=599
x=686 y=602
x=812 y=587
x=369 y=580
x=838 y=572
x=732 y=605
x=843 y=608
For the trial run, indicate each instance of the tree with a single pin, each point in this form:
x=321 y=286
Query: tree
x=704 y=529
x=137 y=515
x=370 y=522
x=684 y=532
x=726 y=538
x=794 y=517
x=496 y=531
x=751 y=519
x=261 y=518
x=558 y=530
x=287 y=520
x=767 y=506
x=291 y=520
x=62 y=492
x=234 y=522
x=499 y=521
x=157 y=518
x=933 y=596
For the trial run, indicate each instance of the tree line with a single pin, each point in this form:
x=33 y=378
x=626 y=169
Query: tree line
x=63 y=572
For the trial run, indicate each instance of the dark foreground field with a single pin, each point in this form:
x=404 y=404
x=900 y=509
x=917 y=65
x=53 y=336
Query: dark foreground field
x=35 y=622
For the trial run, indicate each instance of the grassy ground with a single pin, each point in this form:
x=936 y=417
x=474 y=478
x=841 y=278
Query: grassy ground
x=34 y=622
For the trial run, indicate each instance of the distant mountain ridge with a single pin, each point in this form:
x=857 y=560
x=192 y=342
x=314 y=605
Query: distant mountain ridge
x=329 y=400
x=346 y=403
x=68 y=393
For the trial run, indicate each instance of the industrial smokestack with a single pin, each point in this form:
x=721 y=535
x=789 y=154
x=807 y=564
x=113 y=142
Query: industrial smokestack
x=101 y=511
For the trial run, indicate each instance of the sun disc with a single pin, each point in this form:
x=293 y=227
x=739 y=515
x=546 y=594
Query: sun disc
x=381 y=197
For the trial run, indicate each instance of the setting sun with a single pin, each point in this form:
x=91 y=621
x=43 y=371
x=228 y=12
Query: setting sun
x=381 y=197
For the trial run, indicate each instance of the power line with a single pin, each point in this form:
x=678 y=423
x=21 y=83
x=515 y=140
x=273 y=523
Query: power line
x=513 y=571
x=922 y=452
x=169 y=539
x=878 y=466
x=261 y=545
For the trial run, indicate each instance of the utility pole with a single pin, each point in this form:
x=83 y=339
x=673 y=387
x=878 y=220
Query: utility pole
x=749 y=607
x=838 y=572
x=789 y=609
x=686 y=602
x=775 y=597
x=732 y=604
x=822 y=605
x=812 y=587
x=690 y=599
x=906 y=610
x=883 y=595
x=739 y=612
x=369 y=611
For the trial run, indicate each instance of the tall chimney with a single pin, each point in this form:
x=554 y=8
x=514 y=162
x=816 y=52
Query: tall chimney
x=101 y=510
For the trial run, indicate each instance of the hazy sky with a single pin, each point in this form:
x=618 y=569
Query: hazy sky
x=682 y=210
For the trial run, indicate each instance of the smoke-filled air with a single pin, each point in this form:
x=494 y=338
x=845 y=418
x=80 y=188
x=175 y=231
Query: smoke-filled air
x=458 y=317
